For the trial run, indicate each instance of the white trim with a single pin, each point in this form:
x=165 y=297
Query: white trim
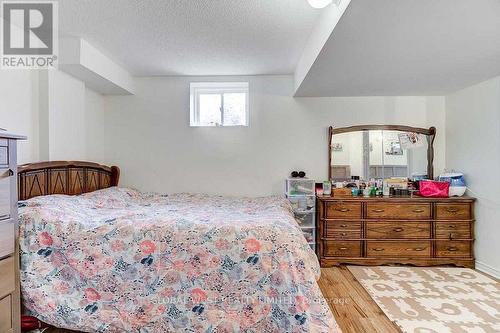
x=488 y=269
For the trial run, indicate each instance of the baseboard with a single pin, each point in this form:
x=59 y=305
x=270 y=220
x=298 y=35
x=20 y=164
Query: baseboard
x=488 y=269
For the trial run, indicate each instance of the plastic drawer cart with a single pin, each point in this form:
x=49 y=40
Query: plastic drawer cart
x=301 y=194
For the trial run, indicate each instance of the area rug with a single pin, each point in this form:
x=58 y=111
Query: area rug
x=440 y=300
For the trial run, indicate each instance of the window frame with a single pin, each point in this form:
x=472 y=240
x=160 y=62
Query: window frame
x=216 y=88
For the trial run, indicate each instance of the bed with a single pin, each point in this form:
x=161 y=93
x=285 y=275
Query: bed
x=114 y=259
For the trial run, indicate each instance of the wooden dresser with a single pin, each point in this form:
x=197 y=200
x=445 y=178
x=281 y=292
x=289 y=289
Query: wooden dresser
x=377 y=231
x=9 y=256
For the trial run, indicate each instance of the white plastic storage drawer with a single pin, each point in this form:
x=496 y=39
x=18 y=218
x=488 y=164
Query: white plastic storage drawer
x=302 y=204
x=300 y=186
x=305 y=219
x=309 y=235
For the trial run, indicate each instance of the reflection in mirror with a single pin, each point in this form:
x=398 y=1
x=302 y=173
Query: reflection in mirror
x=378 y=154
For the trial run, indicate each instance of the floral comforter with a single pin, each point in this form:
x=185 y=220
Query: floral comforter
x=118 y=260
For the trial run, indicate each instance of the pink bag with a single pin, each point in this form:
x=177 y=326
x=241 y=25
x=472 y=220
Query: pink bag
x=434 y=189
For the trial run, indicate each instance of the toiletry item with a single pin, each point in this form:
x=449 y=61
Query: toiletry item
x=386 y=189
x=355 y=191
x=366 y=192
x=327 y=188
x=339 y=185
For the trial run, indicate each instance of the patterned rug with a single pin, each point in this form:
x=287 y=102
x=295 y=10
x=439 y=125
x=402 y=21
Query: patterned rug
x=434 y=300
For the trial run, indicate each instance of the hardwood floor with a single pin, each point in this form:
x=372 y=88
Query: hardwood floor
x=351 y=305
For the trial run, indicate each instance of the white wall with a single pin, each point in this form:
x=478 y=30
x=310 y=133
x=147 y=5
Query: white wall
x=19 y=109
x=94 y=126
x=66 y=114
x=149 y=137
x=473 y=147
x=61 y=117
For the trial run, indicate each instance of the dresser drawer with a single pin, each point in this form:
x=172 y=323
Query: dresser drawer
x=343 y=234
x=403 y=211
x=406 y=249
x=458 y=211
x=350 y=249
x=453 y=249
x=452 y=230
x=7 y=280
x=343 y=229
x=343 y=225
x=397 y=230
x=4 y=156
x=5 y=203
x=6 y=314
x=6 y=238
x=343 y=210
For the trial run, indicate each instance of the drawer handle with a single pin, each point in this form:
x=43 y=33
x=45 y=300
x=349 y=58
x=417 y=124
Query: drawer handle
x=343 y=234
x=451 y=226
x=397 y=229
x=418 y=249
x=451 y=210
x=378 y=249
x=343 y=210
x=452 y=248
x=378 y=210
x=343 y=248
x=418 y=210
x=8 y=173
x=343 y=225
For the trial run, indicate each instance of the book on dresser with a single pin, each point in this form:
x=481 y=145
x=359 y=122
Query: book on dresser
x=395 y=230
x=9 y=254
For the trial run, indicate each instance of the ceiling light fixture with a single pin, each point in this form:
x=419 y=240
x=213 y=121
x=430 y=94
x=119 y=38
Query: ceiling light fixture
x=319 y=3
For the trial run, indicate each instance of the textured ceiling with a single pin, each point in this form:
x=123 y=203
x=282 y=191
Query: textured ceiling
x=408 y=47
x=193 y=37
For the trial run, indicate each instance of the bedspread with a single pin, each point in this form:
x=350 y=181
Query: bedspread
x=118 y=260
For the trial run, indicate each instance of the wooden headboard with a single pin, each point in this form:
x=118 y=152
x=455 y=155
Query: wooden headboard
x=64 y=177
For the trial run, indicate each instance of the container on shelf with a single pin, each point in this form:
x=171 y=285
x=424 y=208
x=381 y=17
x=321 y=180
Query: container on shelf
x=309 y=235
x=305 y=220
x=300 y=186
x=302 y=204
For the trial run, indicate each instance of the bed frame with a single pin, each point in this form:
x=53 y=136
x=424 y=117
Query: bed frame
x=64 y=177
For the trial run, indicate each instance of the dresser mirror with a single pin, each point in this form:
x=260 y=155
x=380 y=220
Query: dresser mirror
x=380 y=151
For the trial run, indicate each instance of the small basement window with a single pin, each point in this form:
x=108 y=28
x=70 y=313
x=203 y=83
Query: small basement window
x=219 y=104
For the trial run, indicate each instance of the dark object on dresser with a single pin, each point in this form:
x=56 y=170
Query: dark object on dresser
x=377 y=231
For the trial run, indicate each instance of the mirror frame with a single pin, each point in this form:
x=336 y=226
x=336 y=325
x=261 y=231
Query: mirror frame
x=431 y=132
